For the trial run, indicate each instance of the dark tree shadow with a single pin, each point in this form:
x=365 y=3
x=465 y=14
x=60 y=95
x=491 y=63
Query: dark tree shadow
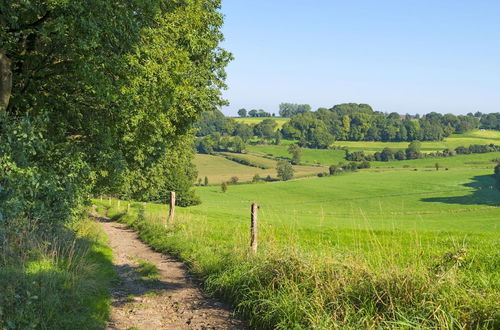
x=485 y=192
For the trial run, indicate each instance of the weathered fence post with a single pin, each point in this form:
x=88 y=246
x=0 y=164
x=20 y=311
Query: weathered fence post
x=171 y=213
x=118 y=205
x=101 y=198
x=109 y=200
x=253 y=227
x=128 y=207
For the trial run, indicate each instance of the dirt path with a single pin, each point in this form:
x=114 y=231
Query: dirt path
x=160 y=296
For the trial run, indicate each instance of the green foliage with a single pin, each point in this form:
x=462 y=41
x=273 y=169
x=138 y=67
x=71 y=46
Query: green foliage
x=258 y=113
x=497 y=173
x=284 y=170
x=296 y=153
x=109 y=106
x=292 y=109
x=242 y=113
x=358 y=122
x=308 y=130
x=223 y=187
x=265 y=129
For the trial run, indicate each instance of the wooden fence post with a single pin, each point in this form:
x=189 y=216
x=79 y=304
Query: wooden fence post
x=253 y=227
x=101 y=198
x=109 y=200
x=171 y=213
x=128 y=207
x=118 y=205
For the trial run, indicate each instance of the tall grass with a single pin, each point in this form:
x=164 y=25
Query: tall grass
x=353 y=279
x=55 y=280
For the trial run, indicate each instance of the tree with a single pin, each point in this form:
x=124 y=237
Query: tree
x=265 y=129
x=238 y=145
x=284 y=170
x=413 y=150
x=277 y=139
x=253 y=113
x=223 y=187
x=244 y=131
x=88 y=84
x=234 y=180
x=206 y=181
x=437 y=166
x=214 y=121
x=242 y=112
x=335 y=169
x=296 y=153
x=497 y=173
x=292 y=109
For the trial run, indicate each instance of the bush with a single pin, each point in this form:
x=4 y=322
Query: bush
x=223 y=187
x=234 y=180
x=284 y=170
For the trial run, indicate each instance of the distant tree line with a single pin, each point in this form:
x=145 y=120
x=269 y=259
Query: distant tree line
x=344 y=122
x=254 y=113
x=217 y=132
x=358 y=122
x=413 y=152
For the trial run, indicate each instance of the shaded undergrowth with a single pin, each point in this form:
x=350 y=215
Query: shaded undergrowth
x=56 y=280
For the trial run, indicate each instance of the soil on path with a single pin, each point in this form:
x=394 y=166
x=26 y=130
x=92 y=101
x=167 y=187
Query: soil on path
x=167 y=300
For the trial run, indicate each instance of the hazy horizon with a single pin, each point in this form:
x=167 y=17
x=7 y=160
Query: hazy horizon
x=397 y=56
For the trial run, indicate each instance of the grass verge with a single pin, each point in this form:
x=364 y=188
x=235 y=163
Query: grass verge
x=57 y=280
x=386 y=279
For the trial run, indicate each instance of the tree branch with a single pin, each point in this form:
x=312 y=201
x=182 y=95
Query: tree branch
x=5 y=82
x=31 y=25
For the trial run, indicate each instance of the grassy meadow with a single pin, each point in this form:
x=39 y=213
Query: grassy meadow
x=219 y=169
x=451 y=142
x=256 y=120
x=389 y=247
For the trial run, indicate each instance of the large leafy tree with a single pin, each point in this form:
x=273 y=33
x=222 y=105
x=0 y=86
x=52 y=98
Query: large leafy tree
x=113 y=84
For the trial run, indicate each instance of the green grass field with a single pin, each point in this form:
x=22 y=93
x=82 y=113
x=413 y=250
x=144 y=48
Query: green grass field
x=451 y=142
x=219 y=169
x=399 y=245
x=256 y=120
x=312 y=156
x=393 y=248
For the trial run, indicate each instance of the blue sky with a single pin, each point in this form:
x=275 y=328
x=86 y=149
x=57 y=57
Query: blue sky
x=407 y=56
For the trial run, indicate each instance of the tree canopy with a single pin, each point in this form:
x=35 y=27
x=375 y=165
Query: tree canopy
x=100 y=96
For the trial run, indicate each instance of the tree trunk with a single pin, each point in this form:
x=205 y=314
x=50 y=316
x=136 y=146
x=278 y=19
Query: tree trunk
x=5 y=82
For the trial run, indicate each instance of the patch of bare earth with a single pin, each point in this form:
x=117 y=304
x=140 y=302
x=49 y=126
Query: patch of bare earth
x=166 y=298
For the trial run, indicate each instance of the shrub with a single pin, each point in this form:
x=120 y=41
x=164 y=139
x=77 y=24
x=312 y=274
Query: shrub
x=284 y=170
x=234 y=180
x=223 y=187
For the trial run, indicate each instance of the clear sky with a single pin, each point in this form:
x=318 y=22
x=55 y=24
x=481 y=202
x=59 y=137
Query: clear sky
x=407 y=56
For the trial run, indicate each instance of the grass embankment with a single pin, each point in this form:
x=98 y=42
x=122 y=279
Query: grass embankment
x=219 y=169
x=255 y=120
x=331 y=270
x=328 y=157
x=59 y=280
x=451 y=142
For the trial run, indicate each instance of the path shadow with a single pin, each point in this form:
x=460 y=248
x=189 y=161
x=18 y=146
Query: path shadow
x=131 y=284
x=485 y=192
